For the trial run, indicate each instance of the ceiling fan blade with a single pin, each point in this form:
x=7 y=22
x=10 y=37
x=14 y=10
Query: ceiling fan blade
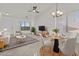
x=34 y=7
x=37 y=11
x=29 y=11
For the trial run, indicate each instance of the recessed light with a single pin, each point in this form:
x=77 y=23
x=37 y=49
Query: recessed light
x=58 y=12
x=33 y=10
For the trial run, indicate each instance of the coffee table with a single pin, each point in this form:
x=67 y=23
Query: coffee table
x=20 y=38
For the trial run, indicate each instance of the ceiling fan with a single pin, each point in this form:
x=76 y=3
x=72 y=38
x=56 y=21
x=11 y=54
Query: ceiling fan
x=34 y=9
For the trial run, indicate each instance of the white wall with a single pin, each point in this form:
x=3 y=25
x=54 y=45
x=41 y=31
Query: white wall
x=48 y=20
x=45 y=19
x=73 y=20
x=13 y=24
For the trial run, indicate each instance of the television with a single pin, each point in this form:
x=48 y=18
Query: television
x=42 y=28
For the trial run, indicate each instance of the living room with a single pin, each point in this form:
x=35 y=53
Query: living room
x=29 y=29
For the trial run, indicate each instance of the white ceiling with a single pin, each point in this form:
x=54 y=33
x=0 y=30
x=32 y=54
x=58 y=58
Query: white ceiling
x=20 y=9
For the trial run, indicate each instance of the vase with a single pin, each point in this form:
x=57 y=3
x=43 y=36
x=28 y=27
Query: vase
x=56 y=46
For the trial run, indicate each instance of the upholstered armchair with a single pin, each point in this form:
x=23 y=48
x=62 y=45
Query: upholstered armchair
x=6 y=35
x=2 y=43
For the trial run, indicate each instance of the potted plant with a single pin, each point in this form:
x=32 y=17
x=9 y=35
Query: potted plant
x=56 y=30
x=56 y=42
x=33 y=30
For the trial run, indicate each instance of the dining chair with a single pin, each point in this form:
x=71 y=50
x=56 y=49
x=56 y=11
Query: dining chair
x=45 y=41
x=71 y=34
x=69 y=47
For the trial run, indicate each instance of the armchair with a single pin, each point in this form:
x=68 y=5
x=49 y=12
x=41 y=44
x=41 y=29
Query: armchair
x=2 y=43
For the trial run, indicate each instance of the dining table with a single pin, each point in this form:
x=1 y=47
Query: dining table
x=56 y=38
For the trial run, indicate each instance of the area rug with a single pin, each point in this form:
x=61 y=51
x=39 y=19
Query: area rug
x=13 y=44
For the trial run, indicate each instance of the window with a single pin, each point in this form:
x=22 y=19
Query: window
x=25 y=25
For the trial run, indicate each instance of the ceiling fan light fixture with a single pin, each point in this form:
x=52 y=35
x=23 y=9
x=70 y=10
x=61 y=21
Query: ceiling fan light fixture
x=53 y=14
x=58 y=12
x=61 y=13
x=34 y=10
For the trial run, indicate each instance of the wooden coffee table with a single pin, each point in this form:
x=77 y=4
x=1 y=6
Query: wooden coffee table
x=48 y=51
